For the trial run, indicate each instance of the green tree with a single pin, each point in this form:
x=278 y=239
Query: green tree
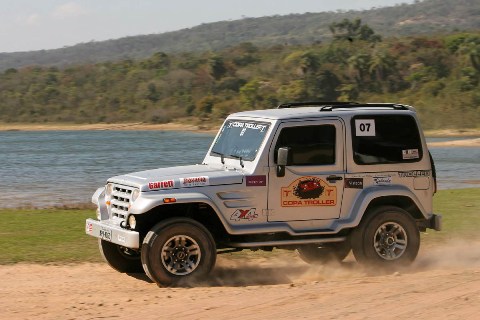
x=353 y=30
x=472 y=49
x=217 y=67
x=382 y=64
x=323 y=86
x=153 y=95
x=359 y=65
x=249 y=93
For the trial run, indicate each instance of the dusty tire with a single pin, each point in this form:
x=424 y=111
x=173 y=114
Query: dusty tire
x=387 y=236
x=119 y=258
x=329 y=252
x=178 y=251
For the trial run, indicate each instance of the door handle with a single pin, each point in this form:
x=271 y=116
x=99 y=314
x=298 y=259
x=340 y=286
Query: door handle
x=334 y=178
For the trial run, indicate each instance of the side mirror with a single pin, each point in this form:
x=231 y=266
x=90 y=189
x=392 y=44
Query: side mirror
x=284 y=158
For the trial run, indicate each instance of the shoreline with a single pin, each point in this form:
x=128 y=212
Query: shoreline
x=51 y=126
x=134 y=126
x=471 y=143
x=474 y=141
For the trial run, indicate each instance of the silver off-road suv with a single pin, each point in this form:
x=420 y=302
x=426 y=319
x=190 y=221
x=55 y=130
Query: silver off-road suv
x=322 y=178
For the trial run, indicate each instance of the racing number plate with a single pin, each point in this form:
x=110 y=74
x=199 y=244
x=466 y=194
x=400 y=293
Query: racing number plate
x=105 y=234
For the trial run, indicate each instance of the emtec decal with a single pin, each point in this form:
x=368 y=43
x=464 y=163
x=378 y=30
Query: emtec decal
x=244 y=214
x=256 y=181
x=166 y=184
x=194 y=181
x=308 y=192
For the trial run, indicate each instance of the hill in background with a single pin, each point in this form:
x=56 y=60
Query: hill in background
x=426 y=17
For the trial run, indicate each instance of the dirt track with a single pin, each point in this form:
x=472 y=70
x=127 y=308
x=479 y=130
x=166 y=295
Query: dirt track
x=443 y=284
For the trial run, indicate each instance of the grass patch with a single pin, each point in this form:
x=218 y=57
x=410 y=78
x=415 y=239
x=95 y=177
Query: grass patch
x=46 y=236
x=460 y=209
x=58 y=236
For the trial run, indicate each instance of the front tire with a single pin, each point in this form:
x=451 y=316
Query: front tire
x=120 y=258
x=387 y=236
x=178 y=250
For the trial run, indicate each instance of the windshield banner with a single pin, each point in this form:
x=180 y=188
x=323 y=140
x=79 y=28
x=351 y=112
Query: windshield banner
x=247 y=125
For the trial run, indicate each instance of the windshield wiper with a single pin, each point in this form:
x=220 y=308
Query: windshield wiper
x=222 y=156
x=237 y=157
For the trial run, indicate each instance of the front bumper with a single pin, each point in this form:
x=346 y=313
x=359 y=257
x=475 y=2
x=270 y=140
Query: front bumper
x=112 y=233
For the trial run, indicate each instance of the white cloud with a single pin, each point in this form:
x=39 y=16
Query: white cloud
x=32 y=19
x=68 y=10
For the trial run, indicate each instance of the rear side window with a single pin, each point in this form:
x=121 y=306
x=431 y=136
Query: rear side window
x=383 y=139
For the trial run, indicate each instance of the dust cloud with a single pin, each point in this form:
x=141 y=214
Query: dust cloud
x=458 y=253
x=287 y=268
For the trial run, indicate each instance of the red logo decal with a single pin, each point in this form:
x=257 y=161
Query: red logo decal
x=241 y=214
x=167 y=184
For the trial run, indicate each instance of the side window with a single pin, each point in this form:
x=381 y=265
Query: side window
x=383 y=139
x=310 y=145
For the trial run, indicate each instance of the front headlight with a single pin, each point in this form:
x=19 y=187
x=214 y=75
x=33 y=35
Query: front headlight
x=109 y=189
x=135 y=194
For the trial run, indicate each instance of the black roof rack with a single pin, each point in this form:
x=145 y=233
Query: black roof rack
x=329 y=106
x=315 y=103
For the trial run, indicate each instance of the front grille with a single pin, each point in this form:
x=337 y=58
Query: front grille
x=120 y=202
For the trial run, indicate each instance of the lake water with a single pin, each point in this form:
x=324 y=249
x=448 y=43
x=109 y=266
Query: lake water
x=42 y=169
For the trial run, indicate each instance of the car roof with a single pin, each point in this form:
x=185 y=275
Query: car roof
x=294 y=111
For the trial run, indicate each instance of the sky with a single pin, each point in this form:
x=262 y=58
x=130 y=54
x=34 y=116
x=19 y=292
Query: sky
x=27 y=25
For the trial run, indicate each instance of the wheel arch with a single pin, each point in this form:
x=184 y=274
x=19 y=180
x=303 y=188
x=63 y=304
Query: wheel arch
x=404 y=202
x=373 y=197
x=198 y=209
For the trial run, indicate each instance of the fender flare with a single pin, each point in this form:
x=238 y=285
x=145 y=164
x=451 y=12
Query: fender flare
x=149 y=202
x=364 y=198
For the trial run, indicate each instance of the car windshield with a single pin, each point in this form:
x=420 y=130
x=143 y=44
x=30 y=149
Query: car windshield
x=240 y=139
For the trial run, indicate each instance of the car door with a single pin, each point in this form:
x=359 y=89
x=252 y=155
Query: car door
x=312 y=187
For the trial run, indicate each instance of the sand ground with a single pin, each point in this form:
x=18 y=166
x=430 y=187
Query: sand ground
x=444 y=283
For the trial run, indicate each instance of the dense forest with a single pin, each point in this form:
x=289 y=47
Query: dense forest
x=421 y=18
x=439 y=75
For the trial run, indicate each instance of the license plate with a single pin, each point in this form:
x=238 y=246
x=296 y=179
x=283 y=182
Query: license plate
x=105 y=234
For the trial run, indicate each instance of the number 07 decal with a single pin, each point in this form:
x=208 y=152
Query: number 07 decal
x=364 y=127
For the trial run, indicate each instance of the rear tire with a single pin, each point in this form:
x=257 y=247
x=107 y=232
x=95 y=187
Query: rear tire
x=120 y=258
x=387 y=236
x=328 y=252
x=178 y=250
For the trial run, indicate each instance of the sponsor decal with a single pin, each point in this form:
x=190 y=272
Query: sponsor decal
x=247 y=125
x=89 y=227
x=244 y=214
x=308 y=192
x=354 y=183
x=382 y=180
x=414 y=174
x=365 y=127
x=166 y=184
x=410 y=154
x=256 y=181
x=194 y=181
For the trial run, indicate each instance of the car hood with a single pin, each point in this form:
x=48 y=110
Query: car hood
x=179 y=177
